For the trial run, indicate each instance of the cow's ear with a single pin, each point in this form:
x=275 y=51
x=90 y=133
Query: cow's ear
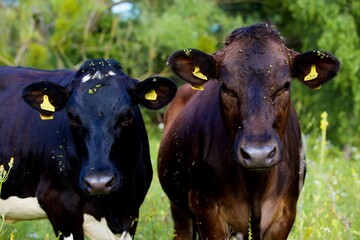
x=193 y=66
x=46 y=97
x=155 y=92
x=315 y=68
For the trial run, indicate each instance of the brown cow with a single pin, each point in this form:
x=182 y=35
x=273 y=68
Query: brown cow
x=231 y=158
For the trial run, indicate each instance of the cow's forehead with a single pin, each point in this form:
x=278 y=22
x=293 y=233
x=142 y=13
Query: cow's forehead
x=256 y=45
x=98 y=69
x=254 y=51
x=258 y=32
x=251 y=57
x=100 y=86
x=107 y=93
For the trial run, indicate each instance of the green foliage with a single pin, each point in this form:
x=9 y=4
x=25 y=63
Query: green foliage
x=37 y=54
x=328 y=207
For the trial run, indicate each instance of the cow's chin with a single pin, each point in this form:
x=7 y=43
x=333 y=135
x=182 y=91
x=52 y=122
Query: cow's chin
x=261 y=169
x=96 y=197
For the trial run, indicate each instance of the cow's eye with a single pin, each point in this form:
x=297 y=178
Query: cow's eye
x=124 y=121
x=285 y=88
x=225 y=90
x=74 y=121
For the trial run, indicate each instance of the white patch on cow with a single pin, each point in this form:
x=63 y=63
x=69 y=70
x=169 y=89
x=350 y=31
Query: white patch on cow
x=97 y=75
x=17 y=209
x=98 y=230
x=111 y=73
x=237 y=236
x=125 y=236
x=86 y=78
x=69 y=237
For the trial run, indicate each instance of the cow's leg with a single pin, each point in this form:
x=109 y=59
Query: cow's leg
x=281 y=226
x=208 y=218
x=211 y=226
x=63 y=209
x=183 y=225
x=63 y=216
x=133 y=226
x=97 y=230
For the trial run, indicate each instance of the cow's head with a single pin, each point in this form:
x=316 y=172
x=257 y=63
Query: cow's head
x=106 y=123
x=254 y=70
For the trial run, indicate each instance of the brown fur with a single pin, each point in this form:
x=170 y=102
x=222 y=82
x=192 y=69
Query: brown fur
x=214 y=160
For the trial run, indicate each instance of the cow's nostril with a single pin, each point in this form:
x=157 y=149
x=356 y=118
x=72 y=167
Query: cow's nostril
x=111 y=182
x=244 y=154
x=272 y=153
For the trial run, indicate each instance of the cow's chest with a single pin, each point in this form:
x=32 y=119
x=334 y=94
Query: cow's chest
x=235 y=211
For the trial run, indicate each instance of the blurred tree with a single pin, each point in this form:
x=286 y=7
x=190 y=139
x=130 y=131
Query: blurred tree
x=184 y=24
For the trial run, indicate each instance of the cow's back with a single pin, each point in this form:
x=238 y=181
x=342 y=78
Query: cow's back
x=24 y=136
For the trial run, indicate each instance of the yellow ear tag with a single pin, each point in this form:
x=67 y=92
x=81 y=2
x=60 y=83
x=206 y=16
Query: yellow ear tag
x=312 y=75
x=198 y=74
x=318 y=88
x=151 y=95
x=46 y=105
x=198 y=87
x=45 y=117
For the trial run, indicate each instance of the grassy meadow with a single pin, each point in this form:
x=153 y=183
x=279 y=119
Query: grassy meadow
x=328 y=208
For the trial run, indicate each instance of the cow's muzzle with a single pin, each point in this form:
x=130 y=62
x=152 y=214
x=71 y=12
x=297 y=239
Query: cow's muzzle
x=259 y=156
x=99 y=183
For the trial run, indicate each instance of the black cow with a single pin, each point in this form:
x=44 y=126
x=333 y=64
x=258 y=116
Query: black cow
x=93 y=156
x=231 y=159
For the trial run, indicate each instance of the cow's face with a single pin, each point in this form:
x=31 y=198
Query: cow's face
x=254 y=70
x=106 y=123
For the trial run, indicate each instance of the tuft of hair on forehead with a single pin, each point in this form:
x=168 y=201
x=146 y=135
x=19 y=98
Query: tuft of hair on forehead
x=100 y=63
x=98 y=68
x=260 y=31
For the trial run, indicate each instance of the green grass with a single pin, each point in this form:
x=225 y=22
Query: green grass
x=329 y=205
x=328 y=208
x=155 y=220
